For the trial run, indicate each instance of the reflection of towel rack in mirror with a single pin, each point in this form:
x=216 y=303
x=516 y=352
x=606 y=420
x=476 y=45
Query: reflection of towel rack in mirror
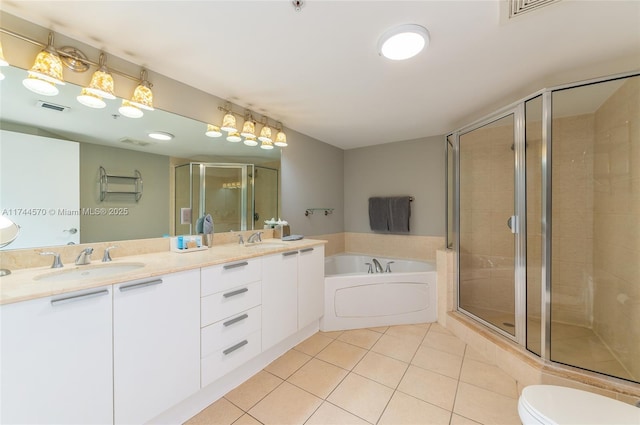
x=309 y=211
x=107 y=179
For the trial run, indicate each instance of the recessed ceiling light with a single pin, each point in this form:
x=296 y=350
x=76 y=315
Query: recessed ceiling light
x=161 y=135
x=403 y=42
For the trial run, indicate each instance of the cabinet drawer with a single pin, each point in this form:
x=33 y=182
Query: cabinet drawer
x=228 y=303
x=226 y=359
x=223 y=333
x=220 y=278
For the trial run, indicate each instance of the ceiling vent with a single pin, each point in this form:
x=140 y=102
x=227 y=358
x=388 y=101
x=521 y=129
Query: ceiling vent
x=518 y=7
x=52 y=106
x=134 y=142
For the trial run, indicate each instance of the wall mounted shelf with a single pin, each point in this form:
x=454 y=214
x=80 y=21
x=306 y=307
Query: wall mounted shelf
x=121 y=183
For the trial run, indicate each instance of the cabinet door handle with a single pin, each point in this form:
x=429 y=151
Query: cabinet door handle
x=235 y=347
x=236 y=292
x=78 y=297
x=306 y=250
x=235 y=320
x=140 y=285
x=286 y=254
x=235 y=265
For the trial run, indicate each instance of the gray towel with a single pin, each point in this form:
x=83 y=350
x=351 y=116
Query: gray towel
x=399 y=214
x=379 y=214
x=207 y=224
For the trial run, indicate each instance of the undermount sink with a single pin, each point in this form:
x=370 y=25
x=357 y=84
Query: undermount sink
x=266 y=245
x=89 y=272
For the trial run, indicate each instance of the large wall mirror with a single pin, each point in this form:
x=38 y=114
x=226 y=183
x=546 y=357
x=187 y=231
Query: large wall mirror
x=56 y=152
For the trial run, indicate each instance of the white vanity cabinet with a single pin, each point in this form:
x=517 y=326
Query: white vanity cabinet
x=279 y=297
x=292 y=292
x=230 y=317
x=310 y=285
x=56 y=359
x=156 y=343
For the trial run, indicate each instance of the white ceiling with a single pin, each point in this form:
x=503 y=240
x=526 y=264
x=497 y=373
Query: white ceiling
x=317 y=70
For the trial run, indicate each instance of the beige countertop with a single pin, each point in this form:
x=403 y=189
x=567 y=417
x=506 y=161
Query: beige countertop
x=23 y=284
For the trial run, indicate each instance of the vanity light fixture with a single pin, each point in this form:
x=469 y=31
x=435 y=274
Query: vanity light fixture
x=281 y=138
x=213 y=131
x=249 y=126
x=403 y=42
x=248 y=133
x=265 y=134
x=251 y=141
x=142 y=95
x=129 y=110
x=234 y=137
x=46 y=71
x=229 y=120
x=90 y=99
x=101 y=81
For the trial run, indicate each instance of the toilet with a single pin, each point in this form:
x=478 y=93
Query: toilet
x=554 y=405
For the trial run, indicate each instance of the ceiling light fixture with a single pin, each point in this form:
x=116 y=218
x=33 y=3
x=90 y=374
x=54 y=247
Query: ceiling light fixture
x=403 y=42
x=266 y=145
x=213 y=131
x=101 y=81
x=46 y=71
x=161 y=135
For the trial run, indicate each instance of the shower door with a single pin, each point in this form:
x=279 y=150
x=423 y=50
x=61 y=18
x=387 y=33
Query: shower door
x=489 y=223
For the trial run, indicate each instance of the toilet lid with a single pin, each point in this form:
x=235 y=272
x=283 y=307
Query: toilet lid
x=552 y=404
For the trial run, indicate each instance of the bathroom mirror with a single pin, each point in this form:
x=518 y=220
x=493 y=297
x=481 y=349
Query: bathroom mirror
x=120 y=145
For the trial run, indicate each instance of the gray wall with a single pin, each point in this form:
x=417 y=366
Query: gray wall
x=149 y=217
x=312 y=176
x=414 y=167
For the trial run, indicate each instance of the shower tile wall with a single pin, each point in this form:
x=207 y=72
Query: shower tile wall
x=616 y=224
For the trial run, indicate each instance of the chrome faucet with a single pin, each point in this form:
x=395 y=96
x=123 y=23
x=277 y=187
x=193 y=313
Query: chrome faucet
x=240 y=239
x=255 y=237
x=84 y=257
x=56 y=259
x=379 y=268
x=370 y=270
x=107 y=256
x=388 y=268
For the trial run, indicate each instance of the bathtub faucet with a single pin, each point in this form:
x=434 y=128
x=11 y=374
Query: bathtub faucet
x=379 y=268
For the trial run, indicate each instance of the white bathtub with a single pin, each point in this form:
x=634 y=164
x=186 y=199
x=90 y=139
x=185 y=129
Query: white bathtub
x=355 y=299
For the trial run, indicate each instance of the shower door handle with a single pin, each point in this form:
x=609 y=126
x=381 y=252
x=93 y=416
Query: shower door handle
x=512 y=223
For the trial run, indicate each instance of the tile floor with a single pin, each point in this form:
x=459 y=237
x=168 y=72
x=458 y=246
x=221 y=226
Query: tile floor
x=412 y=374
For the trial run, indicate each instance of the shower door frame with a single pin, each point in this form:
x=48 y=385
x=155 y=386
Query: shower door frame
x=520 y=208
x=518 y=108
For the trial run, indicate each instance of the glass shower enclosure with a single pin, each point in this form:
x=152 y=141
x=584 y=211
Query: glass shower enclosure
x=544 y=215
x=226 y=191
